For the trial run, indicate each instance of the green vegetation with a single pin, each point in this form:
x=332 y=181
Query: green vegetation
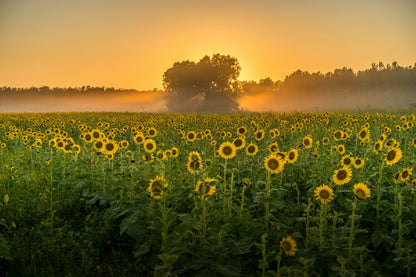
x=126 y=194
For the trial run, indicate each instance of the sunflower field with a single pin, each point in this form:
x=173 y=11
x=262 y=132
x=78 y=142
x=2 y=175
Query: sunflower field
x=255 y=194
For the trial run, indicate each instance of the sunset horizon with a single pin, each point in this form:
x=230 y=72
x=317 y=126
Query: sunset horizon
x=131 y=44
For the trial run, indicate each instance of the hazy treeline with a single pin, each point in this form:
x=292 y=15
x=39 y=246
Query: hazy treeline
x=211 y=85
x=45 y=90
x=379 y=76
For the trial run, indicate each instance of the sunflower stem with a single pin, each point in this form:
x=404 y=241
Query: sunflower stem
x=378 y=192
x=400 y=226
x=266 y=202
x=279 y=259
x=242 y=202
x=354 y=204
x=322 y=216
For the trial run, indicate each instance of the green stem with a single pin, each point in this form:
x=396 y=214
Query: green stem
x=242 y=202
x=279 y=259
x=354 y=204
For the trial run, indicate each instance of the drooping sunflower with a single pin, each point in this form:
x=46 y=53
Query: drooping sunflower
x=274 y=164
x=251 y=149
x=289 y=246
x=148 y=158
x=324 y=193
x=292 y=156
x=342 y=176
x=405 y=174
x=206 y=187
x=239 y=143
x=362 y=191
x=156 y=186
x=358 y=163
x=149 y=145
x=307 y=142
x=227 y=150
x=393 y=156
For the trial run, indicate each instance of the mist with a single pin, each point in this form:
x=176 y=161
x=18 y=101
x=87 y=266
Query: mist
x=96 y=102
x=346 y=100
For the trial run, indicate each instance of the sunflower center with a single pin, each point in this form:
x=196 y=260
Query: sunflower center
x=291 y=155
x=306 y=142
x=238 y=142
x=342 y=174
x=251 y=149
x=157 y=187
x=360 y=193
x=358 y=162
x=363 y=134
x=259 y=135
x=109 y=147
x=149 y=146
x=347 y=161
x=405 y=174
x=227 y=150
x=324 y=194
x=391 y=155
x=273 y=164
x=287 y=246
x=194 y=164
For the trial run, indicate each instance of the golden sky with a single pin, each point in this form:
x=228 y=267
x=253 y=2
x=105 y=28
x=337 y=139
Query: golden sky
x=130 y=44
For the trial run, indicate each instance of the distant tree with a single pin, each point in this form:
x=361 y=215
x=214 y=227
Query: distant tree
x=208 y=86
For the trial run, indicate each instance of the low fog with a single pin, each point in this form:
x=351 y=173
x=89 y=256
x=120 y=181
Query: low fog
x=134 y=102
x=346 y=100
x=260 y=101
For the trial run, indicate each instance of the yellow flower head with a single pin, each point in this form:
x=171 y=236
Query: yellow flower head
x=361 y=191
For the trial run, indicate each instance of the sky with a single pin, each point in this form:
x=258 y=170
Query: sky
x=130 y=44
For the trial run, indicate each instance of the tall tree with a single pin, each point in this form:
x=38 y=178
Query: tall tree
x=207 y=86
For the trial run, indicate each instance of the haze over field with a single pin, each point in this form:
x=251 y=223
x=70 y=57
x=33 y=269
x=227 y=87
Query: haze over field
x=132 y=44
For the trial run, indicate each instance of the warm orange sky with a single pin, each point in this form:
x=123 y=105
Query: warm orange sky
x=130 y=44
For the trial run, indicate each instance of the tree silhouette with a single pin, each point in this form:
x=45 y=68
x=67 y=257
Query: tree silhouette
x=207 y=86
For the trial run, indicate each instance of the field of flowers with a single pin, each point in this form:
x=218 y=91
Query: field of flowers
x=129 y=194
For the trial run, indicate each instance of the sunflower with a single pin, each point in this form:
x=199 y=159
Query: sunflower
x=274 y=164
x=358 y=163
x=227 y=150
x=342 y=176
x=110 y=147
x=324 y=193
x=191 y=136
x=156 y=186
x=152 y=132
x=88 y=137
x=364 y=134
x=149 y=145
x=206 y=188
x=292 y=156
x=259 y=135
x=139 y=138
x=98 y=145
x=393 y=156
x=239 y=143
x=96 y=134
x=346 y=160
x=193 y=166
x=307 y=142
x=252 y=149
x=148 y=158
x=405 y=174
x=273 y=148
x=338 y=134
x=362 y=191
x=289 y=246
x=341 y=149
x=241 y=130
x=175 y=152
x=325 y=141
x=378 y=146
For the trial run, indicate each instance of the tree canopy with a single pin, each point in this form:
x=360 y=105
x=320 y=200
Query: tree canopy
x=208 y=85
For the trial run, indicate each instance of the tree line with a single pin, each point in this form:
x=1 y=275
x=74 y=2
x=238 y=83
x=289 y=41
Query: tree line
x=212 y=85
